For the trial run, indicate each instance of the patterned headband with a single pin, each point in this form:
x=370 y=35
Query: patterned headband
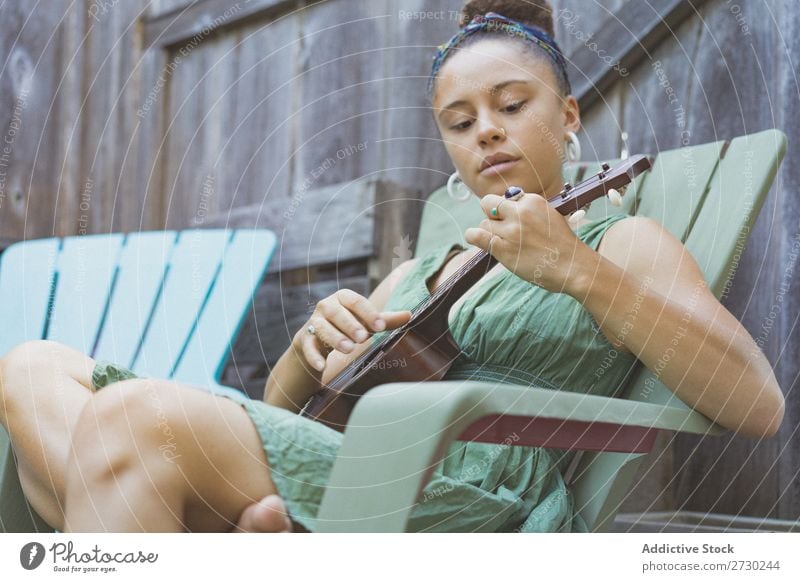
x=492 y=21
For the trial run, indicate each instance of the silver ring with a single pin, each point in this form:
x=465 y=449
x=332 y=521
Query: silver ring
x=312 y=330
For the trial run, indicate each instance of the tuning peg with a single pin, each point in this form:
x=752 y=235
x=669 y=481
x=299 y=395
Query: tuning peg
x=615 y=197
x=576 y=217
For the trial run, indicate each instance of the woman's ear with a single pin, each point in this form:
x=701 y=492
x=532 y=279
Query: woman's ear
x=572 y=114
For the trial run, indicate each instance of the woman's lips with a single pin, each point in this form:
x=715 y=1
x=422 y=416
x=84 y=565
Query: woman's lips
x=498 y=169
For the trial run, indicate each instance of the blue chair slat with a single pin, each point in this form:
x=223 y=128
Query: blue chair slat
x=26 y=276
x=86 y=268
x=192 y=270
x=243 y=266
x=141 y=271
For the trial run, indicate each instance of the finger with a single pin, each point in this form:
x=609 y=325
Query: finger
x=490 y=201
x=329 y=334
x=502 y=228
x=395 y=319
x=267 y=516
x=362 y=308
x=345 y=322
x=479 y=237
x=312 y=352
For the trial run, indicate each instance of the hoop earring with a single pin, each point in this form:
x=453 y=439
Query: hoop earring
x=573 y=147
x=451 y=183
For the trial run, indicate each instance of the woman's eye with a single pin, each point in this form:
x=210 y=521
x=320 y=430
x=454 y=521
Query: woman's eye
x=461 y=125
x=515 y=106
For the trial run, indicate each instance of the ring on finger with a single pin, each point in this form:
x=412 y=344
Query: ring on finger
x=495 y=212
x=312 y=330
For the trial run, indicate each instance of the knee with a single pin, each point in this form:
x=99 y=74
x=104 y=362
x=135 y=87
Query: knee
x=121 y=429
x=27 y=356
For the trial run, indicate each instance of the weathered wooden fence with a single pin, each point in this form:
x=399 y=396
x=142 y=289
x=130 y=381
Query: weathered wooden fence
x=309 y=118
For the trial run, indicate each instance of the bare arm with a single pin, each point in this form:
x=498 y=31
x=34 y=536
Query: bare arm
x=293 y=379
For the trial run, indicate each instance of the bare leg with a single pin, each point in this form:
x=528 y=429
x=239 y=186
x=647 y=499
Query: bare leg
x=44 y=386
x=153 y=455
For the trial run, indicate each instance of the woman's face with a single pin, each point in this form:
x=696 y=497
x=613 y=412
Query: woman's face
x=492 y=85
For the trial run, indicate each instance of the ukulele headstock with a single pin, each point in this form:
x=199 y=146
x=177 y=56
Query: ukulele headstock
x=609 y=181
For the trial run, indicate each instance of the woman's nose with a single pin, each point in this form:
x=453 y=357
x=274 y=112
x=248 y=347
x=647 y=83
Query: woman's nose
x=491 y=133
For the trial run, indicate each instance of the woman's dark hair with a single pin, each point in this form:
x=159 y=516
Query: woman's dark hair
x=537 y=13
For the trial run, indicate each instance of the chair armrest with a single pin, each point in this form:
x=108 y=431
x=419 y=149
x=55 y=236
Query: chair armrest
x=398 y=434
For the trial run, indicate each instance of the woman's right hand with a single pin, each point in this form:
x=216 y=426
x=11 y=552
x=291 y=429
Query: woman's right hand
x=341 y=321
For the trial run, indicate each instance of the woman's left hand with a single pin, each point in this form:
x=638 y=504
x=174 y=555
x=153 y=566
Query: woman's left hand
x=532 y=240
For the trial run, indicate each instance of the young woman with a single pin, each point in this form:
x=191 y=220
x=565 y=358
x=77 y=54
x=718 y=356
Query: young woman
x=153 y=455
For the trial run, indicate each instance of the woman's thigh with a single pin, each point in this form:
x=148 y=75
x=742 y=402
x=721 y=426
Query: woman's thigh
x=204 y=444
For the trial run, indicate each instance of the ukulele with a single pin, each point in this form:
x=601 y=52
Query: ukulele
x=424 y=344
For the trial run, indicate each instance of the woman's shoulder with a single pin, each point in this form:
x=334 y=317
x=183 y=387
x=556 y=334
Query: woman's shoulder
x=628 y=235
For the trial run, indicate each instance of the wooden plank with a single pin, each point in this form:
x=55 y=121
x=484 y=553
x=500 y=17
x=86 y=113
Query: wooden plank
x=175 y=23
x=150 y=148
x=677 y=186
x=86 y=269
x=255 y=163
x=592 y=76
x=192 y=270
x=279 y=312
x=142 y=266
x=243 y=266
x=411 y=145
x=340 y=109
x=28 y=128
x=737 y=192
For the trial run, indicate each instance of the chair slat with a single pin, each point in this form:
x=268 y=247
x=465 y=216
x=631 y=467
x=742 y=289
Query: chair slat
x=677 y=185
x=86 y=268
x=444 y=221
x=243 y=266
x=601 y=208
x=192 y=270
x=737 y=192
x=26 y=276
x=141 y=271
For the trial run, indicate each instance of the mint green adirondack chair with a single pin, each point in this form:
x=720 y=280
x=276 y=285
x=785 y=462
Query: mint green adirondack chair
x=708 y=196
x=166 y=304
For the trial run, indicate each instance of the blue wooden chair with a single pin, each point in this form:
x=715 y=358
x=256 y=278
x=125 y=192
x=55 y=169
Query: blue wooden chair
x=166 y=304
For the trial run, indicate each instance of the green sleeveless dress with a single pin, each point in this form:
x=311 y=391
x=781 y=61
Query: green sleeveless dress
x=509 y=331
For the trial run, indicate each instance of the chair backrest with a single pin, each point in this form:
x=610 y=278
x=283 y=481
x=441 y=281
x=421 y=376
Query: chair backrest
x=708 y=196
x=163 y=303
x=166 y=304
